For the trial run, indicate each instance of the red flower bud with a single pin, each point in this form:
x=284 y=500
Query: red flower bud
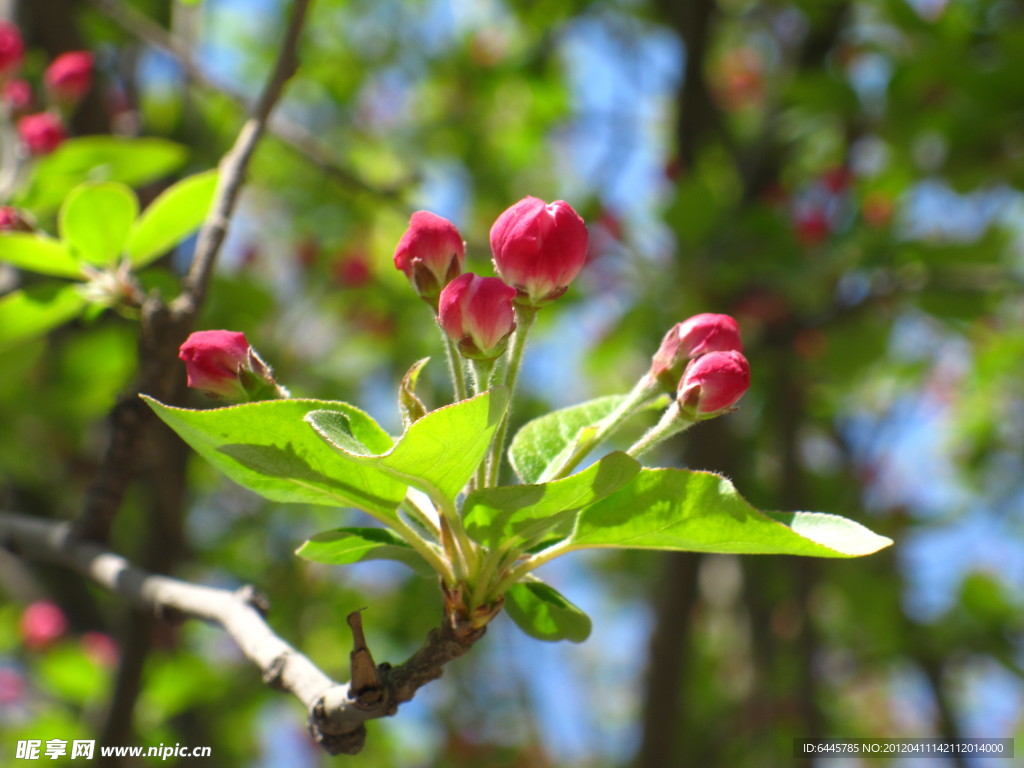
x=477 y=313
x=697 y=336
x=41 y=624
x=713 y=383
x=17 y=95
x=69 y=76
x=41 y=133
x=12 y=48
x=539 y=249
x=223 y=365
x=430 y=253
x=14 y=220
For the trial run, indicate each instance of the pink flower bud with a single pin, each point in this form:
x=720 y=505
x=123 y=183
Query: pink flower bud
x=41 y=624
x=431 y=254
x=223 y=365
x=539 y=249
x=477 y=313
x=17 y=95
x=69 y=76
x=100 y=648
x=713 y=383
x=692 y=338
x=14 y=220
x=41 y=133
x=12 y=48
x=12 y=687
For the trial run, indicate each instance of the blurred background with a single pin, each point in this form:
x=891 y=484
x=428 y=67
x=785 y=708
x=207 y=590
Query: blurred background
x=841 y=176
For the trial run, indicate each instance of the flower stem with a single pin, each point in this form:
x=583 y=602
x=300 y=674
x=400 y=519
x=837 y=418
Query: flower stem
x=455 y=368
x=641 y=392
x=672 y=422
x=525 y=317
x=483 y=371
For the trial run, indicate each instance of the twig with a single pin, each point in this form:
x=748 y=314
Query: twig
x=163 y=329
x=337 y=713
x=290 y=132
x=234 y=165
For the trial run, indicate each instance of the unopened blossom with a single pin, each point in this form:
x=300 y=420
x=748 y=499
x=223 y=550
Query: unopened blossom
x=69 y=76
x=430 y=253
x=539 y=249
x=690 y=339
x=223 y=365
x=42 y=133
x=713 y=383
x=41 y=624
x=12 y=49
x=477 y=313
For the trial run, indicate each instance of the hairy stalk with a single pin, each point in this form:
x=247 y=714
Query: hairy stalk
x=672 y=422
x=483 y=371
x=531 y=563
x=426 y=550
x=525 y=317
x=641 y=392
x=455 y=368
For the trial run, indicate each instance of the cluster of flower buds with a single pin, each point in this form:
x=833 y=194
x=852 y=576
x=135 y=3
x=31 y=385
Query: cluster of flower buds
x=224 y=366
x=702 y=360
x=14 y=220
x=538 y=250
x=66 y=81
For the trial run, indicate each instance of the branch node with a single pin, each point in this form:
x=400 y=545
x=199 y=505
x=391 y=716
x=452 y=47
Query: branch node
x=365 y=682
x=274 y=673
x=255 y=599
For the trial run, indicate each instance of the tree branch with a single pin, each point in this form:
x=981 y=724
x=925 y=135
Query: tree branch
x=337 y=712
x=294 y=134
x=163 y=329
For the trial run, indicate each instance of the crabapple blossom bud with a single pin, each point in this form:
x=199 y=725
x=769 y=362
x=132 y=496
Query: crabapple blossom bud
x=41 y=133
x=17 y=95
x=12 y=49
x=477 y=313
x=430 y=253
x=713 y=383
x=539 y=249
x=68 y=77
x=14 y=220
x=692 y=338
x=41 y=624
x=223 y=365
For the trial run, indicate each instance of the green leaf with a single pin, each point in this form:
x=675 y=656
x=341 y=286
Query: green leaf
x=31 y=312
x=95 y=221
x=553 y=436
x=438 y=454
x=411 y=407
x=542 y=612
x=514 y=516
x=37 y=253
x=343 y=546
x=691 y=511
x=97 y=159
x=173 y=216
x=267 y=448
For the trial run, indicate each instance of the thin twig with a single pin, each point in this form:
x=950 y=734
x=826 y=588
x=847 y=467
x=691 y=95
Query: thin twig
x=294 y=134
x=337 y=713
x=163 y=329
x=234 y=165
